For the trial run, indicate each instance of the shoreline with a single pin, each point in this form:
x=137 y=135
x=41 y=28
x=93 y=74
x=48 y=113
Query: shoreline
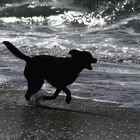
x=83 y=106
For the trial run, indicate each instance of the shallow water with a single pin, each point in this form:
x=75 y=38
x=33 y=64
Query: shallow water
x=108 y=82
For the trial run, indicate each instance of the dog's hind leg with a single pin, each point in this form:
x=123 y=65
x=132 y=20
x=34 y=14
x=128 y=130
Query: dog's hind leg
x=68 y=93
x=33 y=87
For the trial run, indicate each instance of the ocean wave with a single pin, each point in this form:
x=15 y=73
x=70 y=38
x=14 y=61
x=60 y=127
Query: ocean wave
x=109 y=10
x=29 y=10
x=112 y=11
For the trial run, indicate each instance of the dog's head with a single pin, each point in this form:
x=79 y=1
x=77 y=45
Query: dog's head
x=84 y=58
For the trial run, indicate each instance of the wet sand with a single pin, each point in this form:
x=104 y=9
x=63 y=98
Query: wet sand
x=55 y=120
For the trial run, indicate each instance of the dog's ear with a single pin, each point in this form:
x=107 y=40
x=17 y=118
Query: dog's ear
x=74 y=52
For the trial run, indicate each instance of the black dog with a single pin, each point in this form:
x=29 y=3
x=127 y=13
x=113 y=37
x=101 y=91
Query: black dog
x=58 y=71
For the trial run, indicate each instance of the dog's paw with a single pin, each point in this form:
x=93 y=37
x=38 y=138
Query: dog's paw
x=68 y=100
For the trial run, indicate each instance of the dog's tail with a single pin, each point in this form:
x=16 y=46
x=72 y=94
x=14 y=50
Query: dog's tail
x=15 y=51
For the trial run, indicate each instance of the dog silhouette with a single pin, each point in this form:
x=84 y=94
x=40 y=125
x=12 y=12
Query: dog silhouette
x=57 y=71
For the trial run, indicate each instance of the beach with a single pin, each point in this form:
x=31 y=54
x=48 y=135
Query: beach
x=55 y=120
x=85 y=118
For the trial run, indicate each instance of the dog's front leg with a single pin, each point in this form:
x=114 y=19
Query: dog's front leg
x=68 y=93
